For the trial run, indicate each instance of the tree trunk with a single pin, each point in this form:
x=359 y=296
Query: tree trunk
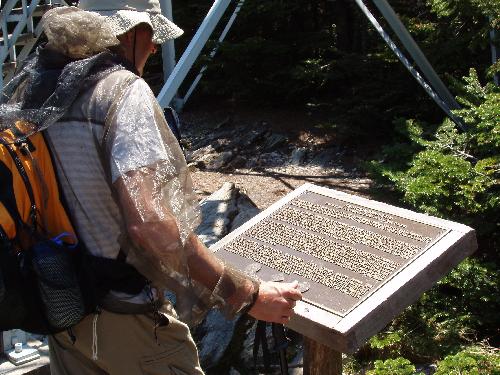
x=320 y=359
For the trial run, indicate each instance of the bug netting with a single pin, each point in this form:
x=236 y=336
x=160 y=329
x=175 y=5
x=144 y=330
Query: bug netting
x=160 y=211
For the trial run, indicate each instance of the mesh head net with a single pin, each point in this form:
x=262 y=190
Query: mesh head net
x=76 y=33
x=50 y=79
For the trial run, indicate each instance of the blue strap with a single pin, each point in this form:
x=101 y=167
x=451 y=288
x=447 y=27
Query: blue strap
x=58 y=240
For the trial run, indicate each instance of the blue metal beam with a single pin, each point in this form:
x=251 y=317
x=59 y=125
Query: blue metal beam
x=494 y=53
x=167 y=48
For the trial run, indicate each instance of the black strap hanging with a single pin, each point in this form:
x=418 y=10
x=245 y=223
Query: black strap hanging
x=280 y=346
x=261 y=340
x=29 y=189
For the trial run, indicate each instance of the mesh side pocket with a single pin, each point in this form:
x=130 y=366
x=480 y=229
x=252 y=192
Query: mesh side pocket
x=58 y=285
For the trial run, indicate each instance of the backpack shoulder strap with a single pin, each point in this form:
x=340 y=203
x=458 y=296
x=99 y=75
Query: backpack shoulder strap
x=11 y=218
x=29 y=188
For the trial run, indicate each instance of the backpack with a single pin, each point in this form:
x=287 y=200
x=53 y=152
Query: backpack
x=39 y=286
x=48 y=280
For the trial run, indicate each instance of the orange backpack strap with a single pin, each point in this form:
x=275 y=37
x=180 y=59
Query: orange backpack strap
x=30 y=194
x=52 y=211
x=13 y=173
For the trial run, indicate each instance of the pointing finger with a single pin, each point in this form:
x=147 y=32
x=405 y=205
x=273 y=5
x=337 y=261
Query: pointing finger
x=292 y=293
x=294 y=284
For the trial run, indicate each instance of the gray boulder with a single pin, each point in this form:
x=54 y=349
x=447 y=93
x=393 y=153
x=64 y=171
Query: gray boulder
x=221 y=212
x=298 y=156
x=217 y=213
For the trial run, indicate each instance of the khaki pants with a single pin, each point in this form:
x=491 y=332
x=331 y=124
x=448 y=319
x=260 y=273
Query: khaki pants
x=125 y=345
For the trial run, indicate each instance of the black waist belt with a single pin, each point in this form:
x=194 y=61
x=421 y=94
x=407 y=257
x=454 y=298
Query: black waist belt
x=111 y=303
x=113 y=274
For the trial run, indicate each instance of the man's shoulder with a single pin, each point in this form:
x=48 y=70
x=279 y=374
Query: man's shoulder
x=119 y=78
x=114 y=86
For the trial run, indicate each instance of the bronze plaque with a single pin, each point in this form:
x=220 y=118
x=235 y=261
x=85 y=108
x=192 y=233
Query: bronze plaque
x=342 y=251
x=351 y=255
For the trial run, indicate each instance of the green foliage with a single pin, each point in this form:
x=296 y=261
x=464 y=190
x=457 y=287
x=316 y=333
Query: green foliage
x=324 y=56
x=451 y=174
x=482 y=113
x=320 y=55
x=447 y=185
x=272 y=46
x=387 y=339
x=459 y=10
x=461 y=309
x=456 y=176
x=438 y=170
x=398 y=366
x=473 y=361
x=461 y=29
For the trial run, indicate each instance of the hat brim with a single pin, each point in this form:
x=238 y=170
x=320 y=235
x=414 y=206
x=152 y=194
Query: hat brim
x=164 y=29
x=122 y=21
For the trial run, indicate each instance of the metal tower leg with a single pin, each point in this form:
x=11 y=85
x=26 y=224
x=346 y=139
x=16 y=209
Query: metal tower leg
x=192 y=52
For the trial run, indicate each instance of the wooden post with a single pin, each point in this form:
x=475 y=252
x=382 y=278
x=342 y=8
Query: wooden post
x=320 y=359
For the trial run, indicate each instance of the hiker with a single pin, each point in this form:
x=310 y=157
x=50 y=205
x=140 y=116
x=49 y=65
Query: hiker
x=130 y=197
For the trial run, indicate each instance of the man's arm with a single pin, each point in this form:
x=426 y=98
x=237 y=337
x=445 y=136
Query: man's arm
x=152 y=182
x=153 y=229
x=274 y=302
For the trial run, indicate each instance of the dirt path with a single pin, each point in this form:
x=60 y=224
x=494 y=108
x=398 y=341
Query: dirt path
x=269 y=172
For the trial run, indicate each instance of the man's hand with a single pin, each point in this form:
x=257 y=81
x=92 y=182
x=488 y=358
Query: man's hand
x=276 y=301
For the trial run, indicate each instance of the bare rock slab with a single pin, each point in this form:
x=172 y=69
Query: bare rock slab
x=217 y=211
x=221 y=212
x=213 y=337
x=363 y=261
